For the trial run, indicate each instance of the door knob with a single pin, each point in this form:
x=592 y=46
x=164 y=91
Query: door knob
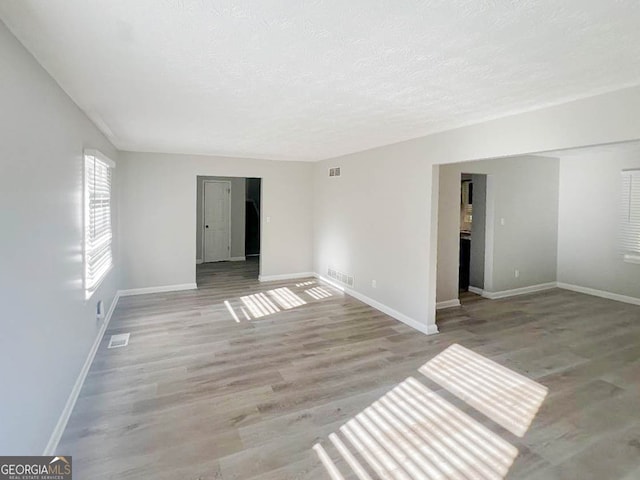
x=206 y=226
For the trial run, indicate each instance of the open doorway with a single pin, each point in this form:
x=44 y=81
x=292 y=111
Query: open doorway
x=497 y=230
x=473 y=198
x=227 y=229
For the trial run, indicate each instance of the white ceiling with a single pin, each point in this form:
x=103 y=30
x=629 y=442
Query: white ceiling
x=306 y=80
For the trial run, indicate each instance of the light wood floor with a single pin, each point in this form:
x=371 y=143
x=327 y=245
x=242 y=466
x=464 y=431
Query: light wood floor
x=202 y=392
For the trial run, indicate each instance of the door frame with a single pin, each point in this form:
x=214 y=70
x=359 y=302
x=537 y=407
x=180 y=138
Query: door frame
x=489 y=232
x=204 y=206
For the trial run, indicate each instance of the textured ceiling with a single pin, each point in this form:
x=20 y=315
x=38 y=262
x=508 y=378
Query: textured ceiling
x=306 y=80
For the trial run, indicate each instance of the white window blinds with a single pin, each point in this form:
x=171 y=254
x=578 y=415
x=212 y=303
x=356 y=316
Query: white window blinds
x=97 y=219
x=630 y=234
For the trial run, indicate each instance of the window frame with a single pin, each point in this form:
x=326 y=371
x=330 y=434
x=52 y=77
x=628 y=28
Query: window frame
x=633 y=255
x=94 y=155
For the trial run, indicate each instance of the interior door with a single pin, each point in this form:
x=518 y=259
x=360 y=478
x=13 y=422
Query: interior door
x=217 y=221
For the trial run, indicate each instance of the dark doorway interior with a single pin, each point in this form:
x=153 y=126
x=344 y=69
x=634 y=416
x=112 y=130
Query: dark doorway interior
x=472 y=231
x=252 y=225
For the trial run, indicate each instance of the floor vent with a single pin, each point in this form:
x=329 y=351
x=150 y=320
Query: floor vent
x=117 y=341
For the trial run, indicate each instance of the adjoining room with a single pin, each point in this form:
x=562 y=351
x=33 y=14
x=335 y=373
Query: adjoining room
x=227 y=229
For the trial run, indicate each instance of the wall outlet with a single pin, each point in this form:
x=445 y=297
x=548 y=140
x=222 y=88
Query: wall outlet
x=502 y=222
x=516 y=273
x=374 y=284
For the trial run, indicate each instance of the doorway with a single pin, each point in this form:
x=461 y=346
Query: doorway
x=473 y=194
x=228 y=224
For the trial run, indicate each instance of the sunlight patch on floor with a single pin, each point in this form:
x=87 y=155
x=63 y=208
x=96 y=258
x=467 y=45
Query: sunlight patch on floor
x=231 y=311
x=413 y=433
x=286 y=298
x=318 y=293
x=263 y=304
x=329 y=466
x=506 y=397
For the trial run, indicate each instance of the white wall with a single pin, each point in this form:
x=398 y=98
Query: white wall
x=524 y=192
x=158 y=224
x=478 y=232
x=376 y=220
x=373 y=222
x=47 y=327
x=588 y=248
x=238 y=215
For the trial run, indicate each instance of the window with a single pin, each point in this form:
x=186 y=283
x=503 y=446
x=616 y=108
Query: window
x=98 y=236
x=631 y=216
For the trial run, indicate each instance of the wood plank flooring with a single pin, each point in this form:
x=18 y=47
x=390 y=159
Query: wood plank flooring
x=249 y=380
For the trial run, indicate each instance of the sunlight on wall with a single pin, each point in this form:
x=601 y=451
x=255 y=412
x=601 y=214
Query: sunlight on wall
x=508 y=398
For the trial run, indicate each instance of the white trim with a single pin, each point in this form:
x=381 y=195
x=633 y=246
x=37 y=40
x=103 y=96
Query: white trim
x=600 y=293
x=421 y=327
x=284 y=276
x=204 y=214
x=198 y=261
x=476 y=290
x=519 y=291
x=162 y=289
x=238 y=259
x=448 y=304
x=56 y=435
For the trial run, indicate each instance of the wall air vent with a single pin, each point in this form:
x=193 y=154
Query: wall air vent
x=117 y=341
x=334 y=172
x=340 y=277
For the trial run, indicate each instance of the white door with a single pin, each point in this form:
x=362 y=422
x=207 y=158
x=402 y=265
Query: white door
x=217 y=221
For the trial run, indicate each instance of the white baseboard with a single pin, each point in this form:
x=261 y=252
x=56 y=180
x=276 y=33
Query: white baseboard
x=600 y=293
x=284 y=276
x=56 y=435
x=519 y=291
x=237 y=259
x=421 y=327
x=476 y=290
x=448 y=304
x=198 y=261
x=162 y=289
